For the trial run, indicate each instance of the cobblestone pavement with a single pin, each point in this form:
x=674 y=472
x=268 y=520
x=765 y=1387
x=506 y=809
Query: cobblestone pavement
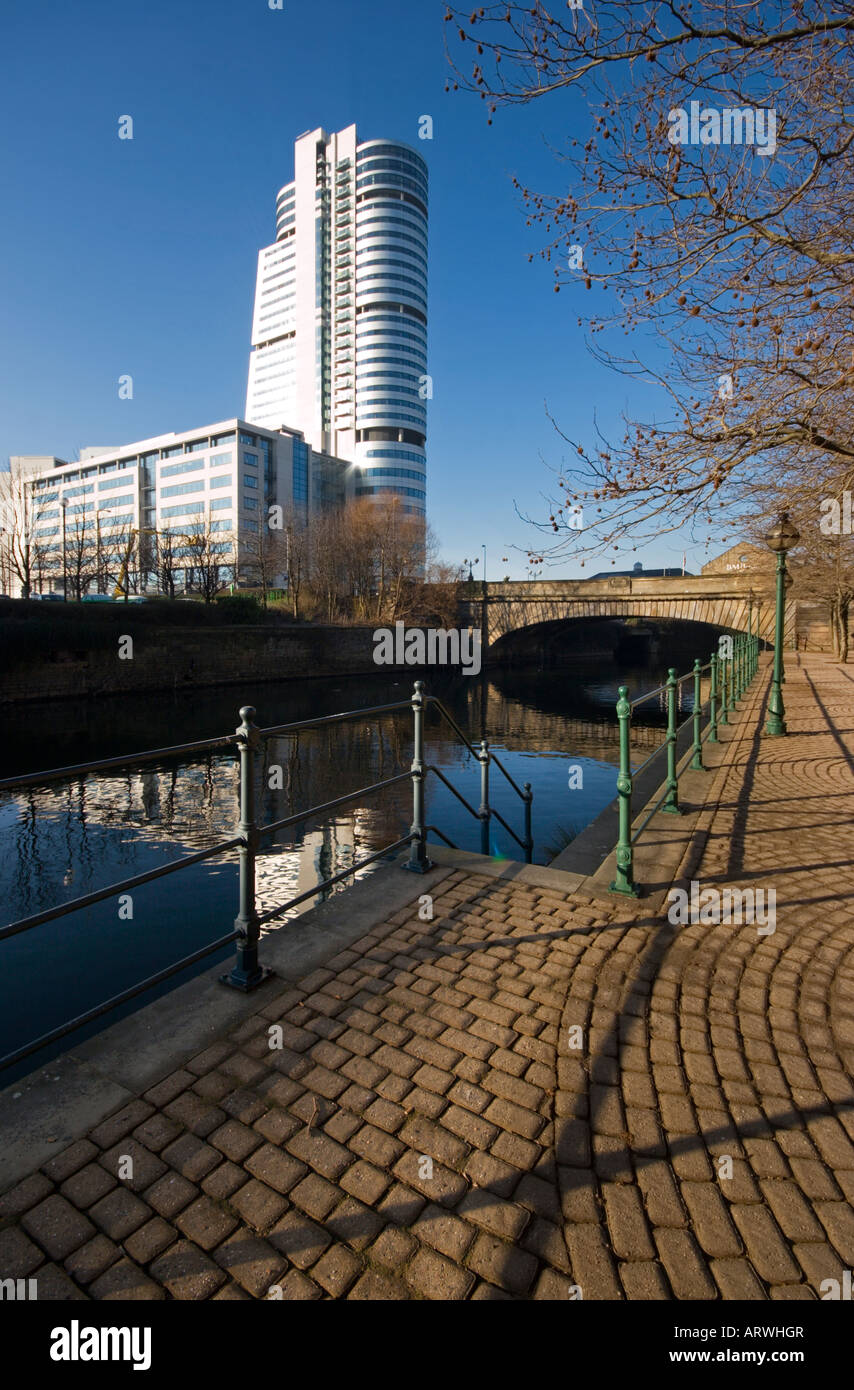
x=426 y=1131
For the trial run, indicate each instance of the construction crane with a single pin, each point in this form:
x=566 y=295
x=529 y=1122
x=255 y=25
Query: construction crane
x=121 y=589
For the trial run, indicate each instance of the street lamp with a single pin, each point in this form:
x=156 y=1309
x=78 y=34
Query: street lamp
x=780 y=539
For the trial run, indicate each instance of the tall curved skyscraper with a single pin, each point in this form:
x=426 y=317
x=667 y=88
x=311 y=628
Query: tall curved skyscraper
x=339 y=333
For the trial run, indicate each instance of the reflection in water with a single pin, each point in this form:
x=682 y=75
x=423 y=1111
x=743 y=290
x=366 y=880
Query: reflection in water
x=64 y=839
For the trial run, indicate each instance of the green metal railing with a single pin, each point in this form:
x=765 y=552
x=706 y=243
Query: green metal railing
x=731 y=670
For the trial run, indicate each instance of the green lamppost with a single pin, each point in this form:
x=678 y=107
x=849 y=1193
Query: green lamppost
x=780 y=539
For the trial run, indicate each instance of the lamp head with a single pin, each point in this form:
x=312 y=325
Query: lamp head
x=783 y=535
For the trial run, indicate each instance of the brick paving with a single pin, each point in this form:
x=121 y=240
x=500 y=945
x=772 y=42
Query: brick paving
x=425 y=1130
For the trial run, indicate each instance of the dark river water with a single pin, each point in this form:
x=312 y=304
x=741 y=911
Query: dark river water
x=63 y=839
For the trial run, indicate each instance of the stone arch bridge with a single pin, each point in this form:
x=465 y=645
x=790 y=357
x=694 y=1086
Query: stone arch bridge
x=726 y=601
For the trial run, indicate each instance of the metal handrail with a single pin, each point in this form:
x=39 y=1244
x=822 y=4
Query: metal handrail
x=451 y=788
x=150 y=755
x=433 y=700
x=334 y=878
x=247 y=972
x=275 y=729
x=735 y=666
x=498 y=816
x=127 y=994
x=442 y=836
x=313 y=811
x=113 y=889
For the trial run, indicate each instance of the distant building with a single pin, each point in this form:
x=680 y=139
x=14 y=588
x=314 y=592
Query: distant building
x=743 y=558
x=638 y=572
x=220 y=479
x=339 y=332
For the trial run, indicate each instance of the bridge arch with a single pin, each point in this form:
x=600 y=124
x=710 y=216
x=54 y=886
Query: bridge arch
x=732 y=605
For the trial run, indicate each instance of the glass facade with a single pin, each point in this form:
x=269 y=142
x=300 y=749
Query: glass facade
x=142 y=486
x=300 y=473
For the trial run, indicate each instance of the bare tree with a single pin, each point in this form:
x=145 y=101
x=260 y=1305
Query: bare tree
x=327 y=569
x=29 y=520
x=210 y=558
x=297 y=553
x=709 y=200
x=401 y=543
x=263 y=553
x=82 y=557
x=167 y=563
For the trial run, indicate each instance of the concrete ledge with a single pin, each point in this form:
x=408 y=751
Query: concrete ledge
x=588 y=850
x=51 y=1107
x=538 y=875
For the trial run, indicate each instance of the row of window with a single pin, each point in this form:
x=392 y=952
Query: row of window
x=397 y=322
x=400 y=334
x=407 y=157
x=390 y=171
x=387 y=415
x=364 y=397
x=365 y=263
x=398 y=491
x=388 y=376
x=412 y=193
x=419 y=242
x=412 y=222
x=394 y=473
x=416 y=258
x=393 y=278
x=400 y=311
x=126 y=500
x=395 y=454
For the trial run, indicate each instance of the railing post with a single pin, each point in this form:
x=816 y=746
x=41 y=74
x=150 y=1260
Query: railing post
x=484 y=811
x=246 y=973
x=724 y=662
x=697 y=760
x=735 y=691
x=418 y=861
x=739 y=685
x=671 y=803
x=713 y=699
x=623 y=881
x=731 y=671
x=529 y=839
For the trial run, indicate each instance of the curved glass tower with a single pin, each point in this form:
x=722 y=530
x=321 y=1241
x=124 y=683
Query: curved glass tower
x=339 y=334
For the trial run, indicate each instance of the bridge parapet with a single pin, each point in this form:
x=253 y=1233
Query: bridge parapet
x=721 y=600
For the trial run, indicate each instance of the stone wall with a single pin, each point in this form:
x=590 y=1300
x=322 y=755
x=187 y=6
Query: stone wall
x=178 y=658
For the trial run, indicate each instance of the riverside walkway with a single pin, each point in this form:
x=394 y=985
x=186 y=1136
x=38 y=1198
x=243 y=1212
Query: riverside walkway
x=544 y=1090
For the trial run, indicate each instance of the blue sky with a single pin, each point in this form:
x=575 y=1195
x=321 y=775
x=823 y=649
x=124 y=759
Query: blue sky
x=139 y=256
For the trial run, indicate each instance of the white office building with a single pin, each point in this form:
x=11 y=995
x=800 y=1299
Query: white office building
x=218 y=482
x=339 y=333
